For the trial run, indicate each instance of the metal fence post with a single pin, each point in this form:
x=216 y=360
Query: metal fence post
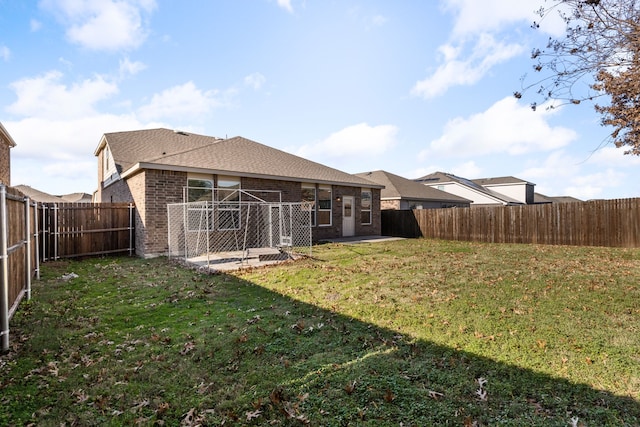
x=36 y=235
x=55 y=231
x=4 y=273
x=27 y=232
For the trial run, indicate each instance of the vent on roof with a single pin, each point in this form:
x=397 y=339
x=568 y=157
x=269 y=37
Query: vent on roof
x=180 y=132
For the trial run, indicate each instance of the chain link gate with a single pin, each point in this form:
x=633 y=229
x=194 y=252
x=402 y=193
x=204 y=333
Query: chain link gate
x=229 y=235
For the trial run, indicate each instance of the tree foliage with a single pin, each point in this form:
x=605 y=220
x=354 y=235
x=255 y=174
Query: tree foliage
x=597 y=59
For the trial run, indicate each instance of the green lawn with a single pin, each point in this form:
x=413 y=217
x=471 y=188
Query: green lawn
x=412 y=333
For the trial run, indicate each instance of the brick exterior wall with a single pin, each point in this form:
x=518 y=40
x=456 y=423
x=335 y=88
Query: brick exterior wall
x=290 y=191
x=155 y=190
x=335 y=229
x=5 y=163
x=152 y=190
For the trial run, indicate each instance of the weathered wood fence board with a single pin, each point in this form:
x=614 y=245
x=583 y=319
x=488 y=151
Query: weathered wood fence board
x=86 y=229
x=30 y=232
x=614 y=223
x=18 y=255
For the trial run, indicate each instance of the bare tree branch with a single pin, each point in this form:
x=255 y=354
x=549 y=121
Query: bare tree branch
x=597 y=59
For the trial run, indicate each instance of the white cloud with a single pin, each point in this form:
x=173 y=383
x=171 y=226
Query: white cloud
x=478 y=42
x=593 y=185
x=361 y=140
x=460 y=68
x=557 y=167
x=468 y=170
x=129 y=68
x=180 y=101
x=46 y=96
x=35 y=25
x=255 y=80
x=506 y=127
x=473 y=16
x=611 y=156
x=56 y=155
x=5 y=53
x=378 y=20
x=103 y=24
x=286 y=5
x=565 y=174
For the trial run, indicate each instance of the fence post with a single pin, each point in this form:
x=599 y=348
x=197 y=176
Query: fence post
x=131 y=228
x=4 y=273
x=27 y=232
x=36 y=235
x=55 y=231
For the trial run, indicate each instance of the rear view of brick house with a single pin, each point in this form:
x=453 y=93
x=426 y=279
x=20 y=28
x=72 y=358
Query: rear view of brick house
x=157 y=167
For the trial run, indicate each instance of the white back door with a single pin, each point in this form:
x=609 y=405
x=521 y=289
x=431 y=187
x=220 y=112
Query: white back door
x=348 y=217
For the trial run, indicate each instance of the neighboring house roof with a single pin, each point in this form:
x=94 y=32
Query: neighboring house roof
x=541 y=198
x=397 y=187
x=166 y=149
x=442 y=177
x=4 y=135
x=77 y=198
x=42 y=197
x=502 y=180
x=565 y=199
x=37 y=195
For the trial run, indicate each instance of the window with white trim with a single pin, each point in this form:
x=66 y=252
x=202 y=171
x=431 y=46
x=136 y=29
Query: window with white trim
x=228 y=196
x=324 y=205
x=200 y=198
x=365 y=207
x=309 y=196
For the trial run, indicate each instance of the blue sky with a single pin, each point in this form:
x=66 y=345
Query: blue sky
x=409 y=86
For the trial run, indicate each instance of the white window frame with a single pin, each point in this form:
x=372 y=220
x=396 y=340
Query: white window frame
x=364 y=209
x=196 y=211
x=322 y=207
x=229 y=198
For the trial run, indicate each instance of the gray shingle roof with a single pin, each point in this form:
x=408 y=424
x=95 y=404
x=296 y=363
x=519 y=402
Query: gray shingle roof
x=37 y=195
x=42 y=197
x=541 y=198
x=397 y=187
x=238 y=156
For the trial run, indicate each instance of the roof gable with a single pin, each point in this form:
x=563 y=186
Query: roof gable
x=5 y=137
x=170 y=150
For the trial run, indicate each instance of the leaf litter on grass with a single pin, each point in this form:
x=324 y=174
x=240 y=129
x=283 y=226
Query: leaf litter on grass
x=148 y=341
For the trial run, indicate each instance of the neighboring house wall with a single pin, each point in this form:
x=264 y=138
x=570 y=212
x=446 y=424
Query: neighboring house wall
x=522 y=192
x=476 y=197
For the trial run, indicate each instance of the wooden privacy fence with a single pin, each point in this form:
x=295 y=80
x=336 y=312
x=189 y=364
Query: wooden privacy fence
x=86 y=229
x=613 y=223
x=18 y=254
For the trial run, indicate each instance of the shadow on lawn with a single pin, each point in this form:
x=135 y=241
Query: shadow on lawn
x=352 y=372
x=264 y=358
